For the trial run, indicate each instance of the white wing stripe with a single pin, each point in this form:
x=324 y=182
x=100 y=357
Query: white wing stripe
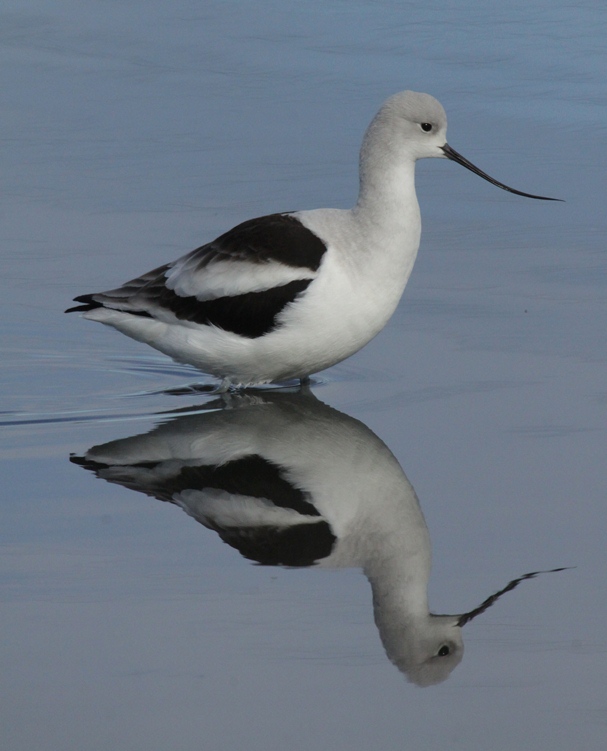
x=229 y=278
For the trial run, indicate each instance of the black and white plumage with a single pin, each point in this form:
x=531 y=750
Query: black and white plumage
x=286 y=480
x=205 y=287
x=286 y=295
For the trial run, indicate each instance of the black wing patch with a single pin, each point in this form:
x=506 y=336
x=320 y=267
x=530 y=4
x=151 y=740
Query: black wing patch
x=249 y=476
x=275 y=237
x=300 y=545
x=251 y=315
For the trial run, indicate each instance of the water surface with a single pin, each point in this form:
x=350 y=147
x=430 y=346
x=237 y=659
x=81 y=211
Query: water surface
x=133 y=133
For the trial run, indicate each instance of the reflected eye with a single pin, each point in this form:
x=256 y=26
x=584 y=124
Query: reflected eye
x=444 y=650
x=426 y=127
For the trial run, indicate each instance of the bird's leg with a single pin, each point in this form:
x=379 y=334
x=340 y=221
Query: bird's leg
x=223 y=387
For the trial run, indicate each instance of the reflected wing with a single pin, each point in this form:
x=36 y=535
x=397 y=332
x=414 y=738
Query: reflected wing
x=249 y=502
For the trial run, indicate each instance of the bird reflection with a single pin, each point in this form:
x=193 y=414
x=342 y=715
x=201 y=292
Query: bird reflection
x=289 y=481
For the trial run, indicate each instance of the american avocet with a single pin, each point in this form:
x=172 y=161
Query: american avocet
x=288 y=481
x=286 y=295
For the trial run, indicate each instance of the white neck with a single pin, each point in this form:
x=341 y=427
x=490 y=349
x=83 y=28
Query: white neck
x=387 y=180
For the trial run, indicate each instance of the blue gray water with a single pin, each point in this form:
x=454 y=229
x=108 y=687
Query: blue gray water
x=134 y=132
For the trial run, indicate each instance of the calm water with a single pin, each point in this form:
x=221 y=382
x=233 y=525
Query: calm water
x=473 y=427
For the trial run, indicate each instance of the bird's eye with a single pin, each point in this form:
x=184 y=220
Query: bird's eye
x=426 y=127
x=444 y=650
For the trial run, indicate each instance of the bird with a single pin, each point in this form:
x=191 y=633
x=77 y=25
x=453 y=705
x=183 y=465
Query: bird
x=286 y=295
x=289 y=481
